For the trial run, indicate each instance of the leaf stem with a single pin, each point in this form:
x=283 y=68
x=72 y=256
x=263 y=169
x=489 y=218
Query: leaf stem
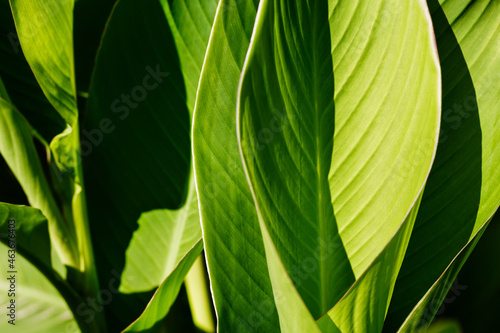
x=198 y=292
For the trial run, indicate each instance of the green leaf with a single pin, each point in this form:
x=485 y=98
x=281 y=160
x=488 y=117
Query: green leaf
x=138 y=117
x=171 y=233
x=191 y=23
x=45 y=30
x=363 y=307
x=18 y=150
x=39 y=305
x=37 y=297
x=463 y=189
x=318 y=155
x=293 y=312
x=234 y=249
x=21 y=84
x=166 y=293
x=288 y=157
x=24 y=229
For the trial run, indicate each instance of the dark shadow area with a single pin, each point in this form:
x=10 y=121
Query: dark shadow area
x=10 y=190
x=474 y=303
x=90 y=17
x=451 y=197
x=135 y=141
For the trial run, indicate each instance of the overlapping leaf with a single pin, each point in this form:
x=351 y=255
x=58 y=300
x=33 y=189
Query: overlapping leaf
x=233 y=243
x=137 y=116
x=462 y=192
x=289 y=68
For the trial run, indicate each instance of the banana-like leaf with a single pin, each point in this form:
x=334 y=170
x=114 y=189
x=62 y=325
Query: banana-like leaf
x=331 y=164
x=289 y=70
x=21 y=84
x=170 y=233
x=234 y=249
x=166 y=293
x=149 y=100
x=45 y=30
x=463 y=189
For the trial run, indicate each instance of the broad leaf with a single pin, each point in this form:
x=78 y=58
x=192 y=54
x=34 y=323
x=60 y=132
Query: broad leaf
x=342 y=154
x=21 y=84
x=233 y=242
x=463 y=189
x=45 y=30
x=138 y=118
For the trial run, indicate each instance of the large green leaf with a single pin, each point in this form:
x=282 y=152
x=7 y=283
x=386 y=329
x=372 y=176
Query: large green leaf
x=233 y=242
x=463 y=189
x=20 y=82
x=166 y=293
x=139 y=118
x=344 y=155
x=45 y=30
x=289 y=70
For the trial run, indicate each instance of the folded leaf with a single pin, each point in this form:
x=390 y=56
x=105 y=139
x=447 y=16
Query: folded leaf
x=233 y=242
x=463 y=189
x=289 y=68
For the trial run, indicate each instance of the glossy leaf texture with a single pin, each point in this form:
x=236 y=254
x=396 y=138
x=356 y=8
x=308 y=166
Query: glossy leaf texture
x=462 y=192
x=137 y=116
x=323 y=176
x=234 y=249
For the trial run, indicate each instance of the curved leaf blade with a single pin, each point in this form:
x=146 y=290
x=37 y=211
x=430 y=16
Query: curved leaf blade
x=462 y=192
x=241 y=289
